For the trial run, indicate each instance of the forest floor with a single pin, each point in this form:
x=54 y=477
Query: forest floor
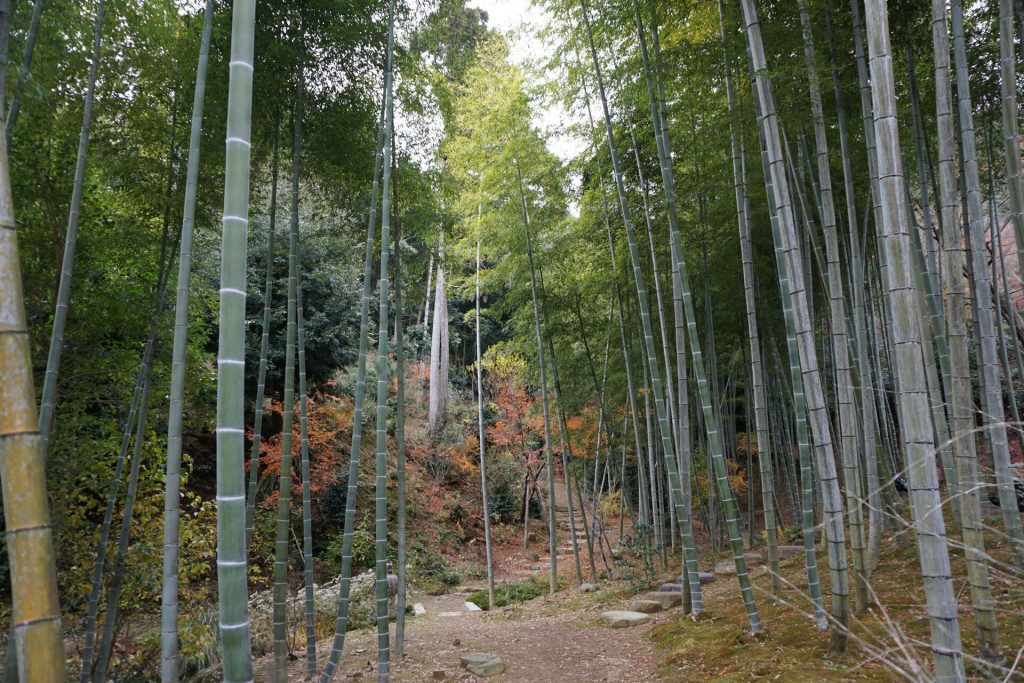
x=561 y=638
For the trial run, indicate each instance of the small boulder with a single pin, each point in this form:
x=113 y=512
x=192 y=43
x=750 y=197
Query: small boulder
x=483 y=664
x=705 y=577
x=456 y=643
x=588 y=587
x=666 y=599
x=786 y=552
x=531 y=537
x=645 y=606
x=624 y=619
x=615 y=574
x=726 y=567
x=671 y=588
x=534 y=557
x=753 y=558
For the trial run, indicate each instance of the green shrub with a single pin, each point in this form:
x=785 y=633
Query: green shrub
x=509 y=593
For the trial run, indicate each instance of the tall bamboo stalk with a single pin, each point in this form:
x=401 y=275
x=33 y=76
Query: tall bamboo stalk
x=1010 y=112
x=804 y=334
x=764 y=456
x=912 y=389
x=732 y=516
x=172 y=489
x=233 y=591
x=283 y=527
x=381 y=488
x=261 y=373
x=480 y=429
x=26 y=66
x=992 y=393
x=60 y=315
x=307 y=503
x=35 y=609
x=840 y=344
x=548 y=460
x=345 y=583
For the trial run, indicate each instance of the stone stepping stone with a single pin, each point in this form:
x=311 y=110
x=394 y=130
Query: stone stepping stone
x=451 y=614
x=418 y=609
x=671 y=588
x=645 y=606
x=624 y=618
x=483 y=664
x=725 y=567
x=705 y=577
x=473 y=607
x=666 y=599
x=588 y=587
x=786 y=552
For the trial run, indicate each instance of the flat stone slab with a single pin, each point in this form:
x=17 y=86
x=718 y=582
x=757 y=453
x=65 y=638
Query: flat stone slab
x=726 y=567
x=671 y=588
x=588 y=587
x=753 y=558
x=786 y=552
x=472 y=606
x=705 y=577
x=418 y=609
x=450 y=614
x=667 y=599
x=645 y=606
x=624 y=618
x=483 y=664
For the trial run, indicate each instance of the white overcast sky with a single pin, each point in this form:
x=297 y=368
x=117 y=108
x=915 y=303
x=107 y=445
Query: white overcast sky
x=520 y=21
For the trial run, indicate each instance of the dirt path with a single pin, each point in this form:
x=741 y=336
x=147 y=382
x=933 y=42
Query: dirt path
x=547 y=639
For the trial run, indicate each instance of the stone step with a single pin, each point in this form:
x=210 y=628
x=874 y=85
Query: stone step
x=624 y=618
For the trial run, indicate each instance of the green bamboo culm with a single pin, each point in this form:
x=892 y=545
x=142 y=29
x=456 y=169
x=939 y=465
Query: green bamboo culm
x=60 y=314
x=844 y=387
x=345 y=584
x=381 y=488
x=480 y=426
x=912 y=392
x=786 y=239
x=749 y=285
x=991 y=388
x=172 y=491
x=232 y=585
x=680 y=292
x=307 y=502
x=399 y=436
x=714 y=437
x=283 y=528
x=26 y=66
x=35 y=609
x=548 y=460
x=1010 y=112
x=261 y=373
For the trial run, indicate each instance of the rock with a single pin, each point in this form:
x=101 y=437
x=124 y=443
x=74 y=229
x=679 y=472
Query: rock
x=624 y=619
x=726 y=567
x=786 y=552
x=456 y=642
x=534 y=557
x=531 y=537
x=753 y=558
x=615 y=574
x=483 y=664
x=588 y=587
x=439 y=675
x=671 y=588
x=617 y=553
x=705 y=577
x=666 y=599
x=645 y=606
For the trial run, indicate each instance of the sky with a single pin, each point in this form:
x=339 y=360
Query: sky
x=519 y=21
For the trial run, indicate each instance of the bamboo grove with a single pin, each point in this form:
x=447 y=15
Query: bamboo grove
x=789 y=233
